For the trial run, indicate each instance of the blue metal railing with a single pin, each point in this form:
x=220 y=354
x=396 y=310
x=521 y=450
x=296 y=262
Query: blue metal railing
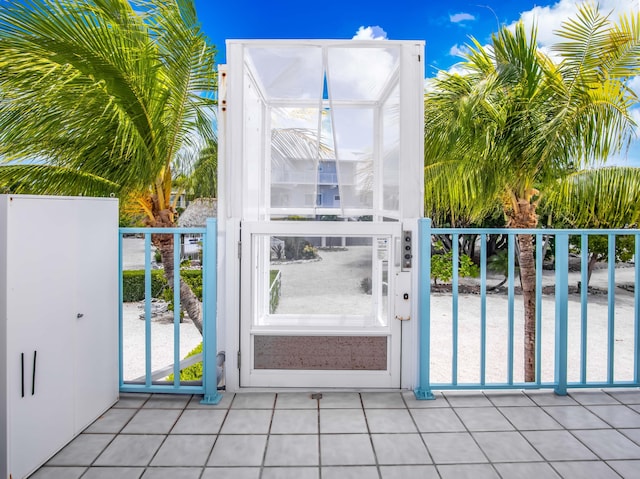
x=209 y=286
x=576 y=338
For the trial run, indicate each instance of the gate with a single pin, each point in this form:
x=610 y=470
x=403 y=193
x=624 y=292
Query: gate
x=153 y=380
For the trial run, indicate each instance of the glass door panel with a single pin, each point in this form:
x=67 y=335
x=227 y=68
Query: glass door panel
x=319 y=303
x=308 y=284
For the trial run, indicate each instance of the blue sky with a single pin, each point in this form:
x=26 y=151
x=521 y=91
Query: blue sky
x=441 y=24
x=445 y=26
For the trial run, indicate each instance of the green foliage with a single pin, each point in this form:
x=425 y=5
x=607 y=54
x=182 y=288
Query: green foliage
x=298 y=248
x=193 y=372
x=127 y=219
x=499 y=263
x=193 y=277
x=599 y=246
x=278 y=251
x=597 y=198
x=517 y=120
x=106 y=94
x=133 y=284
x=204 y=177
x=274 y=289
x=442 y=266
x=366 y=285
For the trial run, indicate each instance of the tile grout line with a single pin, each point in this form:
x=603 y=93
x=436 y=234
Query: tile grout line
x=567 y=430
x=218 y=434
x=475 y=441
x=420 y=433
x=116 y=435
x=373 y=448
x=266 y=445
x=166 y=436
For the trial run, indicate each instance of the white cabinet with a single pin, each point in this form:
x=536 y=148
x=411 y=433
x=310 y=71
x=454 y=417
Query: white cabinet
x=58 y=323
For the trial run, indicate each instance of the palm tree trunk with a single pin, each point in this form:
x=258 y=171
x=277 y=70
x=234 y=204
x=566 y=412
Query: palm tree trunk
x=593 y=260
x=526 y=217
x=188 y=299
x=527 y=263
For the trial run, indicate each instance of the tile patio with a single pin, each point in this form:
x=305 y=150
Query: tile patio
x=515 y=434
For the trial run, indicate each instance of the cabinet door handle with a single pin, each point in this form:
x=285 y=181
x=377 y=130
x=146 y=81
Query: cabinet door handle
x=22 y=371
x=33 y=377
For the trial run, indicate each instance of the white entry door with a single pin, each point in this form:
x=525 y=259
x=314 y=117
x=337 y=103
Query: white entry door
x=316 y=304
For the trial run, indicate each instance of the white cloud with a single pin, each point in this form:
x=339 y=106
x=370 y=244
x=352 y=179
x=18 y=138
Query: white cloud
x=458 y=50
x=549 y=19
x=370 y=33
x=461 y=17
x=634 y=84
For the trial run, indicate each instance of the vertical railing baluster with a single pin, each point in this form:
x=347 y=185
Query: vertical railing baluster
x=209 y=314
x=120 y=313
x=562 y=300
x=510 y=328
x=483 y=308
x=454 y=308
x=147 y=308
x=176 y=309
x=584 y=291
x=636 y=309
x=423 y=391
x=538 y=335
x=611 y=310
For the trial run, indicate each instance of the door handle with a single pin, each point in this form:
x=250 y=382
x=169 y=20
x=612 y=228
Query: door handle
x=33 y=376
x=22 y=371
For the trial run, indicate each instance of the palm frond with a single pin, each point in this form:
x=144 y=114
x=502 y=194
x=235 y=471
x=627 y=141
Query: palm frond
x=111 y=88
x=597 y=198
x=53 y=180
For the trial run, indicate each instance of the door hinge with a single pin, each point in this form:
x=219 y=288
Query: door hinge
x=238 y=359
x=239 y=249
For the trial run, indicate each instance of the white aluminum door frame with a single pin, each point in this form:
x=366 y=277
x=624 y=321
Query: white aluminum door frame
x=286 y=378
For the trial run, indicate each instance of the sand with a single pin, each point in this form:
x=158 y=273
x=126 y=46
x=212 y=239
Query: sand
x=162 y=335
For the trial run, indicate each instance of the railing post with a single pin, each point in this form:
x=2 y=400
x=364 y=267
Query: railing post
x=177 y=247
x=424 y=343
x=120 y=313
x=147 y=309
x=636 y=311
x=611 y=305
x=209 y=313
x=562 y=301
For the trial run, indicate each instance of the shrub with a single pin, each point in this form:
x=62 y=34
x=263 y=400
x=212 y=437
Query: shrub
x=133 y=284
x=365 y=285
x=193 y=372
x=442 y=266
x=193 y=277
x=274 y=289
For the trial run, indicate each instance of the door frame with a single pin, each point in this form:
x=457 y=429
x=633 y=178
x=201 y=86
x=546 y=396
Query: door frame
x=260 y=378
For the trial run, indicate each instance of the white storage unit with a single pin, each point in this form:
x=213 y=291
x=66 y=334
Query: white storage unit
x=58 y=323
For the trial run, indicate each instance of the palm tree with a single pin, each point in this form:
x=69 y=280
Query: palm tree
x=203 y=182
x=100 y=97
x=518 y=120
x=603 y=198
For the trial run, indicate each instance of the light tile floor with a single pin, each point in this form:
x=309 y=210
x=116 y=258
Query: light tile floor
x=533 y=434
